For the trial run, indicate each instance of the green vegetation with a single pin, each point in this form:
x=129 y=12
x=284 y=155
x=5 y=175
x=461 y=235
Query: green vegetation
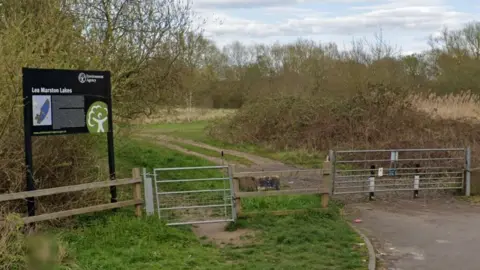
x=316 y=240
x=199 y=131
x=286 y=202
x=296 y=101
x=121 y=241
x=132 y=153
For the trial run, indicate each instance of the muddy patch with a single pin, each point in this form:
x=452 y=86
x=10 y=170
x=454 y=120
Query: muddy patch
x=215 y=233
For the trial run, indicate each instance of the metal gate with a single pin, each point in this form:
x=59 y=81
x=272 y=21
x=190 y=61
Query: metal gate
x=191 y=195
x=388 y=170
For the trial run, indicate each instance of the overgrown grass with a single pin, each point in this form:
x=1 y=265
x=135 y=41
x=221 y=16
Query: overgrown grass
x=198 y=131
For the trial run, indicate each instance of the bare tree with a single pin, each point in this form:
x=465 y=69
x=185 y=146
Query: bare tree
x=128 y=34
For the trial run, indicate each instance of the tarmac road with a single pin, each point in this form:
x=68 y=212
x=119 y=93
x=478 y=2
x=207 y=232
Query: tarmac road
x=421 y=235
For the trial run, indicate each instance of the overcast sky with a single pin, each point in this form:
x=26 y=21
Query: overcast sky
x=405 y=23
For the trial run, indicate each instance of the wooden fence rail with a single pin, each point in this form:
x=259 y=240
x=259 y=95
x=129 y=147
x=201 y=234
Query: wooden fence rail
x=323 y=190
x=137 y=200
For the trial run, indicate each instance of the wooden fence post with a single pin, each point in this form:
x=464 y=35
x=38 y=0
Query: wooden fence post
x=327 y=182
x=236 y=191
x=137 y=191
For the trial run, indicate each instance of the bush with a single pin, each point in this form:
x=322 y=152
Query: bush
x=380 y=117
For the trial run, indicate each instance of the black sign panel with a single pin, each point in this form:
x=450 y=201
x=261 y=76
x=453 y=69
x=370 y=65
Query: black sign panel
x=59 y=102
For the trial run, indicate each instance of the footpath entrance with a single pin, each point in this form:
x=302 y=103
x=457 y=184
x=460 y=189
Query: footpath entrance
x=205 y=197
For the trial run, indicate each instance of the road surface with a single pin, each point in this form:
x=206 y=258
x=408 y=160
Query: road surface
x=421 y=235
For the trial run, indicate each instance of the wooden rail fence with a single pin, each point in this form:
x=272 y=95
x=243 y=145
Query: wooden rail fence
x=137 y=200
x=323 y=190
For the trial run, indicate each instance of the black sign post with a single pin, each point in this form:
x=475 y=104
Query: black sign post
x=63 y=102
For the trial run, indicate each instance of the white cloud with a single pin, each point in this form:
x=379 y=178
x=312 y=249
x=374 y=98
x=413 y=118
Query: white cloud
x=264 y=3
x=404 y=22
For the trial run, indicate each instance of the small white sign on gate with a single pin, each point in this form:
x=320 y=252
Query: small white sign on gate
x=394 y=156
x=380 y=172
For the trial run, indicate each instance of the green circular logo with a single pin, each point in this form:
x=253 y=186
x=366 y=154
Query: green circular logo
x=97 y=117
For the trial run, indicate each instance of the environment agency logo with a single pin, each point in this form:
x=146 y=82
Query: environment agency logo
x=97 y=116
x=82 y=78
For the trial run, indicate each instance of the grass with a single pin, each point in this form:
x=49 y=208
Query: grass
x=211 y=153
x=121 y=241
x=117 y=240
x=131 y=153
x=281 y=203
x=317 y=240
x=196 y=131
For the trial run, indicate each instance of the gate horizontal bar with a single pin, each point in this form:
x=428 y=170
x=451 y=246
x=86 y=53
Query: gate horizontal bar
x=398 y=174
x=199 y=222
x=306 y=191
x=191 y=180
x=401 y=150
x=400 y=189
x=393 y=180
x=398 y=169
x=398 y=160
x=189 y=168
x=278 y=172
x=192 y=191
x=394 y=185
x=195 y=206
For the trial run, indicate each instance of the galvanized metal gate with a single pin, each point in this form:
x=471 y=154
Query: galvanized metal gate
x=388 y=170
x=205 y=197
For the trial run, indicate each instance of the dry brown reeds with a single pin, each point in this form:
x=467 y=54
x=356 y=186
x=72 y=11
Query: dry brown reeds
x=458 y=106
x=181 y=115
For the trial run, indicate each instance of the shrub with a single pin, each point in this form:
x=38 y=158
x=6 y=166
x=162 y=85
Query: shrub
x=380 y=117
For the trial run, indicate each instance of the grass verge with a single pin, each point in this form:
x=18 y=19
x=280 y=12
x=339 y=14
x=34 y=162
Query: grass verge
x=312 y=240
x=120 y=241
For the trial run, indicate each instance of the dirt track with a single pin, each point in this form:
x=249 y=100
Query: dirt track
x=259 y=163
x=429 y=235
